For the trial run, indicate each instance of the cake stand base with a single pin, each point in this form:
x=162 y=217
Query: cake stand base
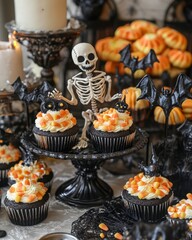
x=86 y=189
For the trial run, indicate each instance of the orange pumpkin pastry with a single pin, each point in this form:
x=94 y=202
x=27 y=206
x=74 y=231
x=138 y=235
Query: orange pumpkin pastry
x=26 y=202
x=9 y=156
x=113 y=130
x=108 y=48
x=187 y=108
x=148 y=194
x=159 y=67
x=181 y=212
x=180 y=59
x=139 y=109
x=56 y=130
x=145 y=26
x=150 y=41
x=173 y=38
x=176 y=116
x=128 y=33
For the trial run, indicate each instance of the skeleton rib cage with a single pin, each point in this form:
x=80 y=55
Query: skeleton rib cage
x=92 y=88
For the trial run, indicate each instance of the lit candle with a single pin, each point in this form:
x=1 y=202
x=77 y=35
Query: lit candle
x=40 y=15
x=11 y=64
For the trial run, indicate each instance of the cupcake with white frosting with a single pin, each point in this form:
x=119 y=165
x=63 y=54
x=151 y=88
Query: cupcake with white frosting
x=113 y=130
x=182 y=211
x=56 y=130
x=148 y=194
x=9 y=156
x=26 y=202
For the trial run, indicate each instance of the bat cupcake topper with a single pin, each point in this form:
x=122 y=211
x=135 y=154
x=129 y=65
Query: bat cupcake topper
x=153 y=169
x=41 y=94
x=133 y=63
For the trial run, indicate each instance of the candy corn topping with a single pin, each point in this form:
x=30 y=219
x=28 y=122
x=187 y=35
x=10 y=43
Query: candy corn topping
x=34 y=171
x=9 y=154
x=183 y=209
x=145 y=187
x=113 y=121
x=26 y=191
x=55 y=121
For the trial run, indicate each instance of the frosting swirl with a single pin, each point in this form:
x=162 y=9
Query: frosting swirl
x=34 y=171
x=9 y=153
x=145 y=187
x=183 y=209
x=55 y=121
x=113 y=121
x=26 y=191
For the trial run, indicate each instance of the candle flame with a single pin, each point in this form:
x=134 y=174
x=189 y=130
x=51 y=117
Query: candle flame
x=12 y=41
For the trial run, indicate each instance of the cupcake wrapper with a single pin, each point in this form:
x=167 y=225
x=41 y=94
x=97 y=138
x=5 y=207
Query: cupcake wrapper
x=28 y=216
x=3 y=177
x=107 y=144
x=56 y=144
x=148 y=213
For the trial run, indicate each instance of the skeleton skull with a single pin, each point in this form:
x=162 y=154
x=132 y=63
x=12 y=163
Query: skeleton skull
x=85 y=57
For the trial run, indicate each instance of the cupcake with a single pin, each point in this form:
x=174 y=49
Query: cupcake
x=26 y=202
x=37 y=170
x=139 y=109
x=148 y=194
x=56 y=130
x=9 y=156
x=181 y=212
x=113 y=130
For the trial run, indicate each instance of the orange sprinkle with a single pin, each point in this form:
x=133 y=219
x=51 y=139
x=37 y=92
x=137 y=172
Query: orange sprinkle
x=12 y=189
x=118 y=236
x=27 y=182
x=189 y=196
x=103 y=226
x=56 y=124
x=65 y=123
x=74 y=120
x=102 y=235
x=39 y=114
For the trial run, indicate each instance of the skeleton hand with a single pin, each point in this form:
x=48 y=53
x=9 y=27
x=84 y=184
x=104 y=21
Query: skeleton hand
x=55 y=94
x=83 y=143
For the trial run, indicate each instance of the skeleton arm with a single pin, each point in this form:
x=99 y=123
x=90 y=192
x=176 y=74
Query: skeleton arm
x=56 y=93
x=108 y=97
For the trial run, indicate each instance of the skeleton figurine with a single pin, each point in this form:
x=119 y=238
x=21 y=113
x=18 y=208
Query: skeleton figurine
x=91 y=86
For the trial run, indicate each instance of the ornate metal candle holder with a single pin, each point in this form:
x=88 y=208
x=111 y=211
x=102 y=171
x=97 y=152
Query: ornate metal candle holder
x=44 y=47
x=86 y=189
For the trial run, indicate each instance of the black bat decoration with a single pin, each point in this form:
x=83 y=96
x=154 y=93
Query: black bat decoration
x=133 y=63
x=166 y=98
x=39 y=95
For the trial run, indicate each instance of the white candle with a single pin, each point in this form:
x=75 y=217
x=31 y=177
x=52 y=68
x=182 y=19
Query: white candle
x=11 y=64
x=40 y=15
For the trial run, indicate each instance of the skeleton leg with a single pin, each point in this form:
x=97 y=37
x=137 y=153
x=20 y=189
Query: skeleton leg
x=83 y=140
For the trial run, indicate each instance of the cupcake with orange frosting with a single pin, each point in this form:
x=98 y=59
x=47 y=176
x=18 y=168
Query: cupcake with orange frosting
x=37 y=170
x=26 y=202
x=113 y=130
x=56 y=130
x=9 y=156
x=148 y=194
x=139 y=109
x=182 y=211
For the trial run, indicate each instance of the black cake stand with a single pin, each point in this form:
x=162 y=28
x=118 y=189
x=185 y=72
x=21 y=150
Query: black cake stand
x=86 y=189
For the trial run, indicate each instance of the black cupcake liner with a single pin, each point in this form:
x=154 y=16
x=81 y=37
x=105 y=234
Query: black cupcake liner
x=175 y=221
x=29 y=215
x=111 y=144
x=149 y=212
x=56 y=143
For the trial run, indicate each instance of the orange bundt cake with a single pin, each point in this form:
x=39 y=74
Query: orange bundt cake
x=150 y=41
x=145 y=26
x=180 y=59
x=128 y=33
x=173 y=38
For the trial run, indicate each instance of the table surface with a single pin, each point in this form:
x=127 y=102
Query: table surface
x=60 y=216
